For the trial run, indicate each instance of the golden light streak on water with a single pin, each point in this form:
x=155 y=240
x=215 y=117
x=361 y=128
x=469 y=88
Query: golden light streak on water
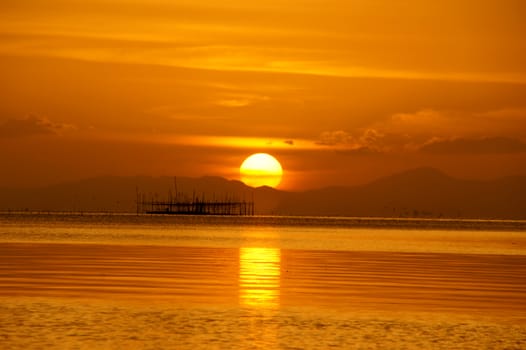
x=259 y=276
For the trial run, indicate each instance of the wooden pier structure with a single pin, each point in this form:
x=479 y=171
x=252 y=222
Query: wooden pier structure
x=181 y=204
x=196 y=207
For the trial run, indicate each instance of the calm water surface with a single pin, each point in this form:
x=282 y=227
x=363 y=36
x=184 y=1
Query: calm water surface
x=100 y=281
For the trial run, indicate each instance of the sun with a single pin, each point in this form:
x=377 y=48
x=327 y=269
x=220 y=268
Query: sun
x=261 y=169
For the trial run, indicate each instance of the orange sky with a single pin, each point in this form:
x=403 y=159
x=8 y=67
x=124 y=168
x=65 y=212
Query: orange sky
x=341 y=92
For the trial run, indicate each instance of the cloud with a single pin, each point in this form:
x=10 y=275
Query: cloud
x=437 y=131
x=234 y=100
x=362 y=141
x=31 y=126
x=399 y=132
x=427 y=122
x=443 y=131
x=457 y=124
x=493 y=145
x=234 y=103
x=335 y=138
x=508 y=114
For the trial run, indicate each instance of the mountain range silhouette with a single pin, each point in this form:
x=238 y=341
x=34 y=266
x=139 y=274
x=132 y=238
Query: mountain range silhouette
x=421 y=193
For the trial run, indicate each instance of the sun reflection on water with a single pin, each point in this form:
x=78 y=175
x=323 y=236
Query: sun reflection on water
x=259 y=276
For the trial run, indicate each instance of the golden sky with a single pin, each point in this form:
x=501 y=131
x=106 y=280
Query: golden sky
x=340 y=91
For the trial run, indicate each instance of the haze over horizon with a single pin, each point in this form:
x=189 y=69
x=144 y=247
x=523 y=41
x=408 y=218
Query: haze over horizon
x=339 y=92
x=417 y=193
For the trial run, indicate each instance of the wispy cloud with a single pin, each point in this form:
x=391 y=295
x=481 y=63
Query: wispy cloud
x=235 y=100
x=435 y=131
x=362 y=141
x=493 y=145
x=31 y=126
x=235 y=38
x=240 y=142
x=335 y=138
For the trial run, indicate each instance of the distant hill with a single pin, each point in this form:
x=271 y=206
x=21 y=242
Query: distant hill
x=120 y=193
x=423 y=192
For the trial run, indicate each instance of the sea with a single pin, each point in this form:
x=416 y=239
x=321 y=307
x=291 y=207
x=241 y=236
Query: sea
x=126 y=281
